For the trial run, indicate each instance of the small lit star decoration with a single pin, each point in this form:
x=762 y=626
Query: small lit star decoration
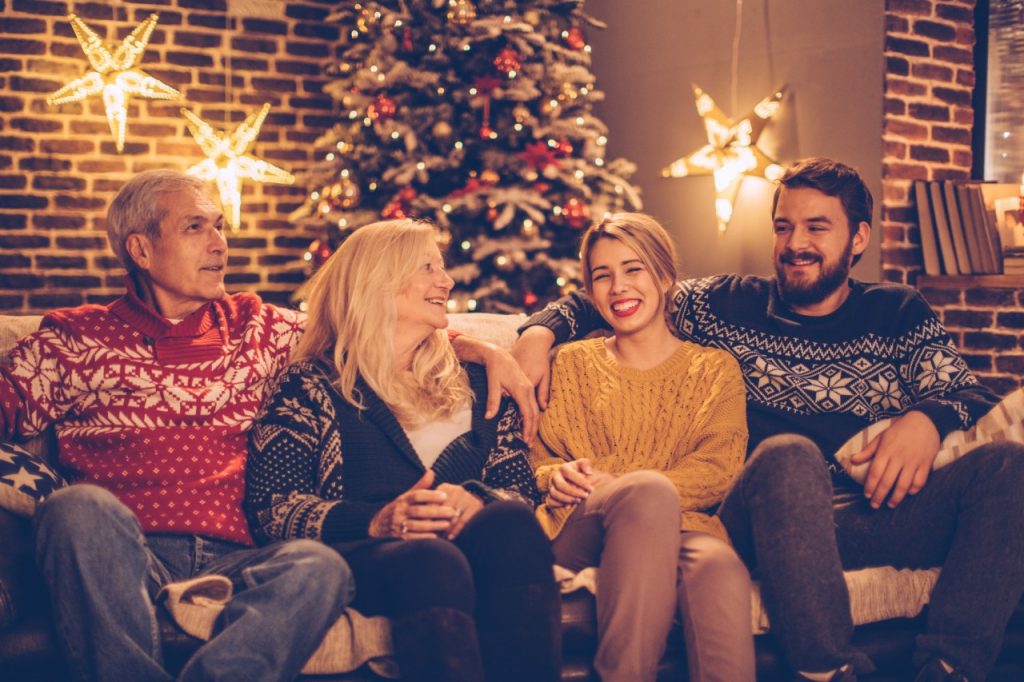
x=730 y=152
x=228 y=163
x=114 y=75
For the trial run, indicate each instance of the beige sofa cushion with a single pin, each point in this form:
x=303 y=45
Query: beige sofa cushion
x=13 y=327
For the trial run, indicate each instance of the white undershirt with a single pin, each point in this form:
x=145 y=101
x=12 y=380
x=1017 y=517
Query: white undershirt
x=430 y=440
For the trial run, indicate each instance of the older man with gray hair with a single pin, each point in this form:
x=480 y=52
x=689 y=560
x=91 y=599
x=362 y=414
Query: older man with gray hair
x=152 y=397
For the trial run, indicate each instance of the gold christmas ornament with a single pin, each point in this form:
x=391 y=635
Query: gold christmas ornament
x=442 y=129
x=532 y=17
x=520 y=113
x=730 y=152
x=550 y=107
x=228 y=161
x=461 y=12
x=114 y=75
x=341 y=195
x=489 y=177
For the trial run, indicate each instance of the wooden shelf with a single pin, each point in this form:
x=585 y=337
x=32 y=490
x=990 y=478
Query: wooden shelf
x=966 y=281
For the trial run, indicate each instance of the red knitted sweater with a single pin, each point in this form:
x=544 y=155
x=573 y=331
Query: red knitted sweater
x=155 y=412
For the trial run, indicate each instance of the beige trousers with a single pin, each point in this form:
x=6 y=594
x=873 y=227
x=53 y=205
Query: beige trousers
x=629 y=529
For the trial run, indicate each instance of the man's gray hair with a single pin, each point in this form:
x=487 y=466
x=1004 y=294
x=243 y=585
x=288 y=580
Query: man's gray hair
x=136 y=209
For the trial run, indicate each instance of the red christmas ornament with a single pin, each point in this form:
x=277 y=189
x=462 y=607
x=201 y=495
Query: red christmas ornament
x=508 y=62
x=486 y=132
x=382 y=108
x=400 y=205
x=574 y=38
x=394 y=211
x=406 y=39
x=575 y=213
x=530 y=298
x=564 y=147
x=318 y=253
x=539 y=156
x=541 y=187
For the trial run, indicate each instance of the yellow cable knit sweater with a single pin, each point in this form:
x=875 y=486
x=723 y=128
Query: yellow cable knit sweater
x=685 y=418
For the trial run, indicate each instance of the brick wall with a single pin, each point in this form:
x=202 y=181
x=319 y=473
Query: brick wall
x=928 y=118
x=928 y=123
x=58 y=165
x=986 y=320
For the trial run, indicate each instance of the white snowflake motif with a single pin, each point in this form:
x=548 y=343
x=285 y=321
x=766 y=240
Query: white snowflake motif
x=831 y=387
x=765 y=373
x=940 y=368
x=884 y=394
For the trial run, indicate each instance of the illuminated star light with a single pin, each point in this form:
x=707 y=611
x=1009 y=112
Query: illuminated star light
x=730 y=152
x=114 y=75
x=227 y=160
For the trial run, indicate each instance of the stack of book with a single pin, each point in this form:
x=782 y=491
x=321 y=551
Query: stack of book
x=1013 y=260
x=959 y=230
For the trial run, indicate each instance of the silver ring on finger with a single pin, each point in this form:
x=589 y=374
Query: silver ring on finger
x=458 y=513
x=404 y=527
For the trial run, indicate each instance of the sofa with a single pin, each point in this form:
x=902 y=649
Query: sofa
x=28 y=652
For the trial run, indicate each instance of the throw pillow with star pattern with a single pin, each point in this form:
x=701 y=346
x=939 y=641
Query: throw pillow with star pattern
x=25 y=480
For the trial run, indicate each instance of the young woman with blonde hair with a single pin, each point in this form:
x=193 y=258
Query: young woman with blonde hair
x=643 y=435
x=375 y=442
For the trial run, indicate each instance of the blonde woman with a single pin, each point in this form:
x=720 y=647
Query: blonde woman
x=375 y=442
x=642 y=437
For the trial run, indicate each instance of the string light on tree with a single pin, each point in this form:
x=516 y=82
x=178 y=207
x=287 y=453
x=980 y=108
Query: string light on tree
x=114 y=75
x=228 y=162
x=731 y=152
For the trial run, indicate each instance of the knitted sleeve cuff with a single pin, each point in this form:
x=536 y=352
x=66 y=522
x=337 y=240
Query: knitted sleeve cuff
x=349 y=521
x=544 y=474
x=943 y=416
x=550 y=319
x=486 y=493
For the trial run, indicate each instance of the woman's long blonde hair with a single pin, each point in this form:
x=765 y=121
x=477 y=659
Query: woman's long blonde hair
x=352 y=320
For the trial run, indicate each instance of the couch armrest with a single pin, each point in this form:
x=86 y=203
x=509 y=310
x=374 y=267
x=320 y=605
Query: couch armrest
x=20 y=585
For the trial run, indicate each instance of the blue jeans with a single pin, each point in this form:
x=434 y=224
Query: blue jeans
x=782 y=520
x=103 y=574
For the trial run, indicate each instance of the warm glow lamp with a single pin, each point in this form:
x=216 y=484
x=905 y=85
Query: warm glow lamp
x=730 y=152
x=228 y=161
x=114 y=75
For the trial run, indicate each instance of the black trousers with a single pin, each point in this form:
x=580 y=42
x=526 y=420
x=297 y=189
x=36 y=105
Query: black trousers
x=501 y=547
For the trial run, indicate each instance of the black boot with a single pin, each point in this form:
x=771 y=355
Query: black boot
x=520 y=631
x=437 y=645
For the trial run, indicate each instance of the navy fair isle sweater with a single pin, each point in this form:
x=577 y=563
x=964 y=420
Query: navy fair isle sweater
x=882 y=353
x=320 y=468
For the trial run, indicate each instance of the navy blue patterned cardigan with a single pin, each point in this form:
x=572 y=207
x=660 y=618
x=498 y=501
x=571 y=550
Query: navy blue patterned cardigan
x=319 y=468
x=882 y=353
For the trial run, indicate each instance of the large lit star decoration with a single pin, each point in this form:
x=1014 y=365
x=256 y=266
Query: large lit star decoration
x=114 y=75
x=228 y=162
x=730 y=152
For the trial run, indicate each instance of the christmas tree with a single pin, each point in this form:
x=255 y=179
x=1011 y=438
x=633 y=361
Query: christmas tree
x=477 y=116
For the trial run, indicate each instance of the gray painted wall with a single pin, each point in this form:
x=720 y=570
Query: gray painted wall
x=828 y=54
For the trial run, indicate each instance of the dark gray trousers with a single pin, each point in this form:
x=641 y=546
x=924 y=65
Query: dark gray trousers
x=968 y=519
